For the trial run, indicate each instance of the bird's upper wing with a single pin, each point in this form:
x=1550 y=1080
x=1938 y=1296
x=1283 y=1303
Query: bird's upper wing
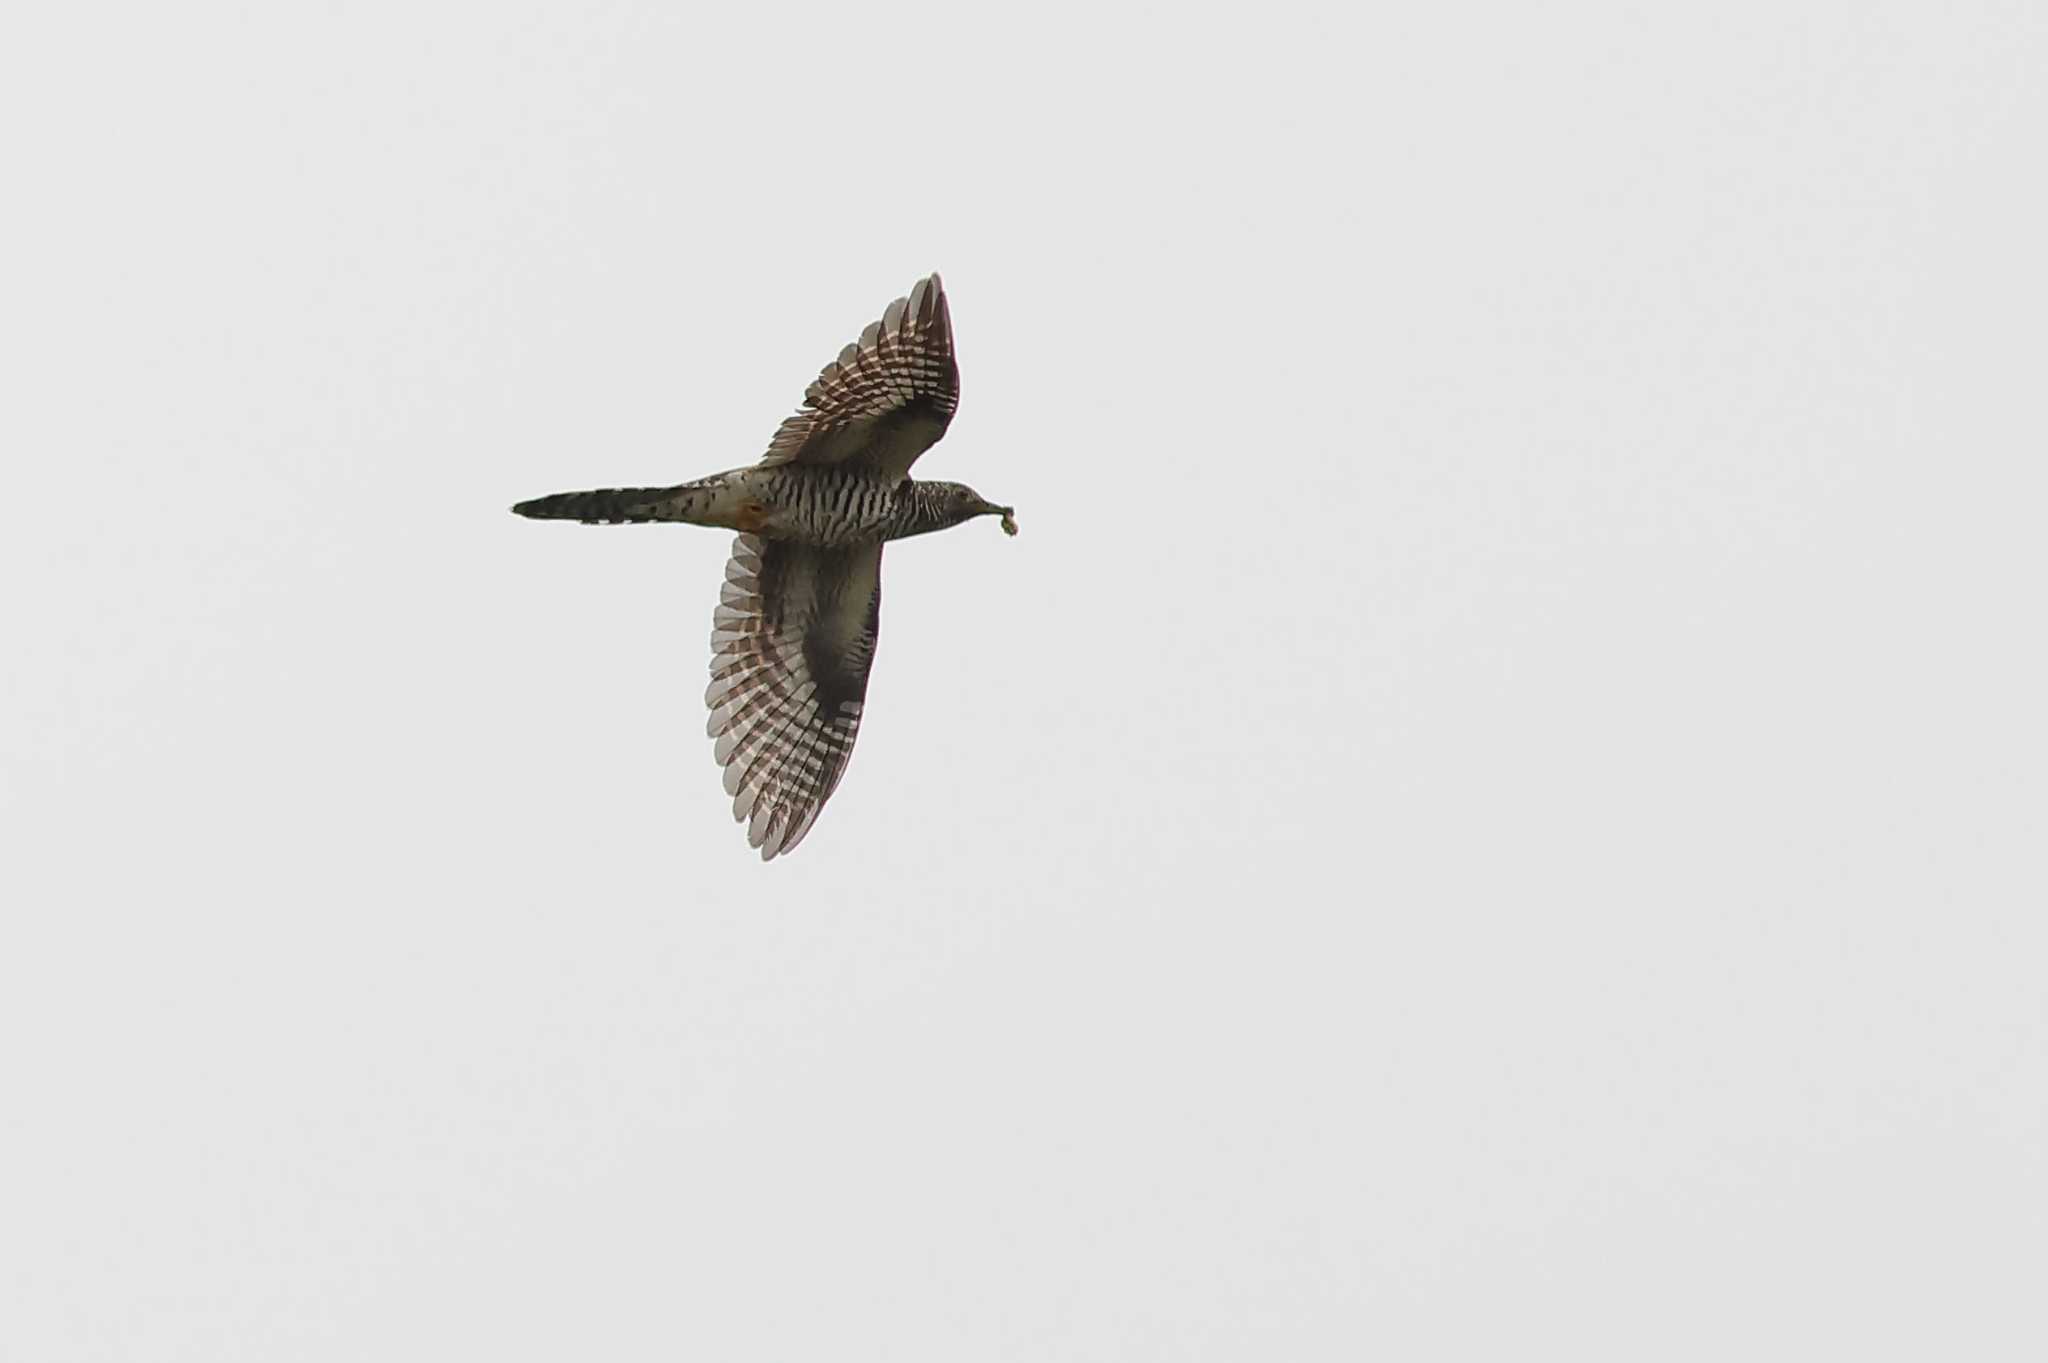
x=791 y=644
x=886 y=399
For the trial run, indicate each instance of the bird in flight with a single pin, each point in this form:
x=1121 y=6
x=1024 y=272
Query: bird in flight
x=793 y=635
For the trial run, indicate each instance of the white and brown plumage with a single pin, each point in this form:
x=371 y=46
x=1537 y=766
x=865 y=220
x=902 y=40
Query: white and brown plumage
x=794 y=633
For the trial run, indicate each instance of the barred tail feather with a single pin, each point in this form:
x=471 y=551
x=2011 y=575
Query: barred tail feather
x=606 y=506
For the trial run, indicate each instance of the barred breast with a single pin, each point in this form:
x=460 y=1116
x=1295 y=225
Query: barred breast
x=827 y=508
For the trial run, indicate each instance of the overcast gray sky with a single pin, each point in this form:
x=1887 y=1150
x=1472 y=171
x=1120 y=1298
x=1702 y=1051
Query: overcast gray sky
x=1494 y=809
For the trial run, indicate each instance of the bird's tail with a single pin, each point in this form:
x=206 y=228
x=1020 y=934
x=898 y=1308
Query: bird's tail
x=611 y=505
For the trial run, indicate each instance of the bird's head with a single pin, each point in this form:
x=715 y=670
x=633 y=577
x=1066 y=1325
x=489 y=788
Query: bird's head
x=957 y=502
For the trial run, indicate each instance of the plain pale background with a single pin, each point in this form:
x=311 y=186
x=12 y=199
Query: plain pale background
x=1495 y=808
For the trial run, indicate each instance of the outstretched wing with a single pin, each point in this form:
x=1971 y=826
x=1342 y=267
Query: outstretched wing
x=886 y=399
x=791 y=643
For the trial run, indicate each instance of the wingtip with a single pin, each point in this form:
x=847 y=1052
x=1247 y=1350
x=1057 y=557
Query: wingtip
x=928 y=302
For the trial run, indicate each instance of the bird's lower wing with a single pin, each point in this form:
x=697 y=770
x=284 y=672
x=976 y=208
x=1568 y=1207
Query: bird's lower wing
x=791 y=644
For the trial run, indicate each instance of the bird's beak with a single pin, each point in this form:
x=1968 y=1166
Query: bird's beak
x=1009 y=515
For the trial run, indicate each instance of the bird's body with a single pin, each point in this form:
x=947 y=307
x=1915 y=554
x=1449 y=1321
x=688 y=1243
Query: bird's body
x=831 y=507
x=794 y=634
